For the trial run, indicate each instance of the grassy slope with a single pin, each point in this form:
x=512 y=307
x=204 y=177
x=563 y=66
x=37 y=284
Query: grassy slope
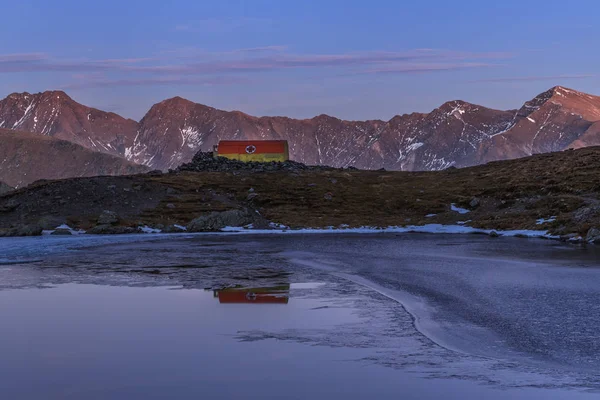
x=513 y=195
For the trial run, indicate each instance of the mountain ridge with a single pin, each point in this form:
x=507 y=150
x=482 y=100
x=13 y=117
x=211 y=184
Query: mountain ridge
x=457 y=133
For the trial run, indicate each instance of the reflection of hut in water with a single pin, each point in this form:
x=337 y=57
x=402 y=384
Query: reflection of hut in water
x=271 y=295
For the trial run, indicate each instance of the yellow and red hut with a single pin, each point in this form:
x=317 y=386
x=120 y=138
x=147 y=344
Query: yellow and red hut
x=253 y=150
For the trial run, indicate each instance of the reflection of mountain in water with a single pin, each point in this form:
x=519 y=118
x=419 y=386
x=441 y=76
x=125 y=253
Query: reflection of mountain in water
x=267 y=295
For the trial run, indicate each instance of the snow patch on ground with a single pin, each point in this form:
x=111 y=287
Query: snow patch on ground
x=459 y=210
x=66 y=227
x=275 y=225
x=531 y=119
x=147 y=229
x=543 y=221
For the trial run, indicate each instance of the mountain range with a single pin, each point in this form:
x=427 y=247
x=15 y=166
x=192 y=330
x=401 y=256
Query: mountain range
x=456 y=134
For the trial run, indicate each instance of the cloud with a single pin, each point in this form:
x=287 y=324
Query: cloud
x=288 y=61
x=125 y=60
x=95 y=83
x=222 y=25
x=263 y=49
x=219 y=68
x=242 y=60
x=535 y=78
x=22 y=57
x=422 y=68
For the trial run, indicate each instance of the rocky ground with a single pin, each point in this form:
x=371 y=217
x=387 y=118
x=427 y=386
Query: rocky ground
x=558 y=192
x=4 y=188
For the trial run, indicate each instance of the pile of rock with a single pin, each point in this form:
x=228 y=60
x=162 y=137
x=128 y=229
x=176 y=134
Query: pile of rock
x=215 y=221
x=205 y=161
x=108 y=225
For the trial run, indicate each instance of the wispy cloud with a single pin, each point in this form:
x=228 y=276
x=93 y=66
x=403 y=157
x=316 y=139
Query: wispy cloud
x=423 y=68
x=256 y=59
x=535 y=78
x=263 y=49
x=435 y=60
x=221 y=25
x=22 y=57
x=195 y=67
x=94 y=83
x=125 y=61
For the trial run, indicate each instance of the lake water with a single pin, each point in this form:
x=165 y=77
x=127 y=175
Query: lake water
x=296 y=317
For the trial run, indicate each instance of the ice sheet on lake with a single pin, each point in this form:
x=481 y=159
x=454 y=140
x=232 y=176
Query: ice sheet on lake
x=428 y=228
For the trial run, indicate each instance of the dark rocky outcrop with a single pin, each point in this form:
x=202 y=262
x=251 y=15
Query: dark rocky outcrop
x=206 y=162
x=22 y=230
x=108 y=218
x=593 y=236
x=215 y=221
x=111 y=230
x=62 y=232
x=4 y=188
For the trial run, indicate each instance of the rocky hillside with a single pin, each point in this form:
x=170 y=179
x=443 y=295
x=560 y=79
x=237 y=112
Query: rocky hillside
x=455 y=134
x=27 y=157
x=558 y=192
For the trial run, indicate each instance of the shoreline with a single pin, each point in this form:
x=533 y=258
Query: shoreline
x=282 y=230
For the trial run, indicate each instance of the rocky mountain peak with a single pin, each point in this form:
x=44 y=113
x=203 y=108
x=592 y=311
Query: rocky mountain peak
x=457 y=133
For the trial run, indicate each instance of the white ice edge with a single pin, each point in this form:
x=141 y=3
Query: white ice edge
x=429 y=228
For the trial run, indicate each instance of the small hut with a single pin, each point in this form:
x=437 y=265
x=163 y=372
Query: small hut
x=253 y=150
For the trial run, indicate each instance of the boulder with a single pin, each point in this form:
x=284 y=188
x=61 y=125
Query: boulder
x=474 y=203
x=585 y=214
x=571 y=238
x=215 y=221
x=108 y=218
x=63 y=232
x=104 y=229
x=50 y=222
x=173 y=229
x=593 y=236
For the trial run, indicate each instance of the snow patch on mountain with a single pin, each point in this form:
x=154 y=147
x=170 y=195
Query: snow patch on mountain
x=190 y=137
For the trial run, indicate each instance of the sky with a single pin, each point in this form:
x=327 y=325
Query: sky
x=351 y=59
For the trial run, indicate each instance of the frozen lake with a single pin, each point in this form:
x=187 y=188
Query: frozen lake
x=319 y=316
